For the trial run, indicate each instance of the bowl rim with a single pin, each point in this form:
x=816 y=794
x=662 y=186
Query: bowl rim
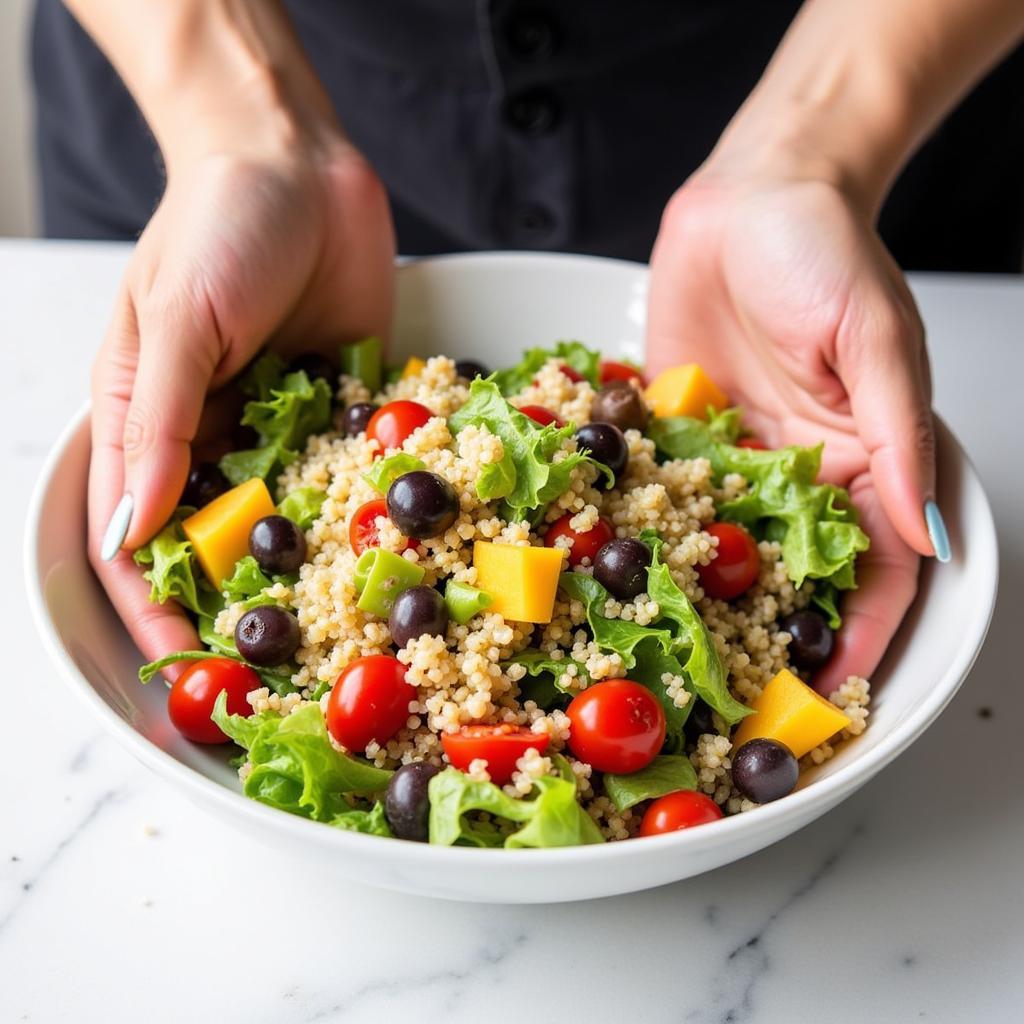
x=764 y=819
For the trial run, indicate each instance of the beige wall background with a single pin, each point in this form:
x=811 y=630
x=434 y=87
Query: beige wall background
x=17 y=152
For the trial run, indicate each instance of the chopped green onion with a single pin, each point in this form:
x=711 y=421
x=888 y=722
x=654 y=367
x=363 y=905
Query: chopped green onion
x=381 y=578
x=362 y=359
x=464 y=601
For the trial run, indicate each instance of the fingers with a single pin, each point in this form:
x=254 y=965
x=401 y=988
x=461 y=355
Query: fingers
x=156 y=629
x=178 y=353
x=886 y=585
x=882 y=362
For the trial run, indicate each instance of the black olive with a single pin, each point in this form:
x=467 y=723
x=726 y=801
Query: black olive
x=620 y=566
x=764 y=770
x=407 y=801
x=355 y=418
x=812 y=639
x=620 y=404
x=422 y=504
x=277 y=544
x=606 y=444
x=267 y=635
x=416 y=612
x=205 y=482
x=470 y=368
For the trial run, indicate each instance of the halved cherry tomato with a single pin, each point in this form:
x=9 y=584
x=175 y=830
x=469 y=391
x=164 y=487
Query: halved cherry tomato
x=752 y=442
x=540 y=415
x=678 y=811
x=369 y=701
x=362 y=527
x=610 y=370
x=616 y=726
x=499 y=745
x=584 y=545
x=391 y=424
x=195 y=691
x=734 y=568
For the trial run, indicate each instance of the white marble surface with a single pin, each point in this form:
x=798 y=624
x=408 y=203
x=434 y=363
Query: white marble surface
x=119 y=901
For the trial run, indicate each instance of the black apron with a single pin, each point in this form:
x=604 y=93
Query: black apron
x=533 y=124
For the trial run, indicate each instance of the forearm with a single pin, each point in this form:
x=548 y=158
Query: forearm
x=210 y=75
x=857 y=84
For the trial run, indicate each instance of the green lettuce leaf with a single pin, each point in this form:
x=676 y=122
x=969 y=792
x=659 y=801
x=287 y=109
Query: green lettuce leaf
x=551 y=816
x=261 y=375
x=583 y=360
x=372 y=822
x=526 y=478
x=616 y=635
x=246 y=581
x=385 y=472
x=284 y=414
x=172 y=571
x=295 y=767
x=702 y=666
x=539 y=664
x=816 y=523
x=302 y=506
x=667 y=773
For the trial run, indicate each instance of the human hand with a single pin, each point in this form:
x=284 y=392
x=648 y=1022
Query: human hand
x=293 y=245
x=780 y=288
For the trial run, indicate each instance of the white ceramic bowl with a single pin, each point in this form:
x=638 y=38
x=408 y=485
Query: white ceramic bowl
x=490 y=307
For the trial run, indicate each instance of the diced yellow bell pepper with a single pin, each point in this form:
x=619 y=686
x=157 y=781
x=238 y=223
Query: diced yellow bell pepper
x=413 y=367
x=219 y=532
x=522 y=580
x=684 y=391
x=789 y=711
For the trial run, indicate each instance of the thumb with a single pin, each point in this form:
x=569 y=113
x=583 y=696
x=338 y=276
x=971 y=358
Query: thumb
x=178 y=353
x=883 y=365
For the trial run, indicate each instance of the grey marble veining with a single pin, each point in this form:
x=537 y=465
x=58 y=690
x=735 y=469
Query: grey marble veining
x=120 y=901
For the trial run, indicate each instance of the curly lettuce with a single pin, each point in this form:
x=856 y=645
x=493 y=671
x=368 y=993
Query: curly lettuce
x=667 y=773
x=527 y=478
x=296 y=769
x=815 y=523
x=172 y=571
x=550 y=816
x=574 y=354
x=286 y=409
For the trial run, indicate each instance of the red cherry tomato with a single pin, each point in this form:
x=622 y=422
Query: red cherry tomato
x=573 y=375
x=677 y=811
x=369 y=702
x=610 y=370
x=362 y=527
x=584 y=545
x=195 y=691
x=735 y=566
x=617 y=726
x=499 y=745
x=391 y=424
x=752 y=442
x=540 y=415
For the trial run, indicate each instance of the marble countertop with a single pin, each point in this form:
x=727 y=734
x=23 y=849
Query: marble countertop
x=120 y=901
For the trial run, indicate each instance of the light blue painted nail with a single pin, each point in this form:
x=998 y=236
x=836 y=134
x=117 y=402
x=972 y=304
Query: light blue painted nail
x=117 y=528
x=937 y=531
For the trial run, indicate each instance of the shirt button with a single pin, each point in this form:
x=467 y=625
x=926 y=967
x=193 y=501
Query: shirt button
x=531 y=36
x=533 y=113
x=533 y=222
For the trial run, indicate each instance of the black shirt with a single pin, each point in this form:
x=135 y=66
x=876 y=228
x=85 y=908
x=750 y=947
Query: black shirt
x=533 y=124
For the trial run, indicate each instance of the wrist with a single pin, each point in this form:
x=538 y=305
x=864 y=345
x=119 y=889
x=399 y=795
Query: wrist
x=214 y=76
x=844 y=127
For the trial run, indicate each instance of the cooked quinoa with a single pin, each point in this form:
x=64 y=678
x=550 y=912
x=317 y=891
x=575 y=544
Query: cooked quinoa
x=468 y=677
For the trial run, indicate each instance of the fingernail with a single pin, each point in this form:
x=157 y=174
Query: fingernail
x=937 y=531
x=117 y=528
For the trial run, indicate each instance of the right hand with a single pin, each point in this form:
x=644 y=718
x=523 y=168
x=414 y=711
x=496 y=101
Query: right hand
x=294 y=246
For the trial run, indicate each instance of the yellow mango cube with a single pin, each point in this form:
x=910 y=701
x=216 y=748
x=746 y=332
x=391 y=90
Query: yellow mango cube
x=790 y=712
x=522 y=580
x=684 y=391
x=219 y=532
x=413 y=367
